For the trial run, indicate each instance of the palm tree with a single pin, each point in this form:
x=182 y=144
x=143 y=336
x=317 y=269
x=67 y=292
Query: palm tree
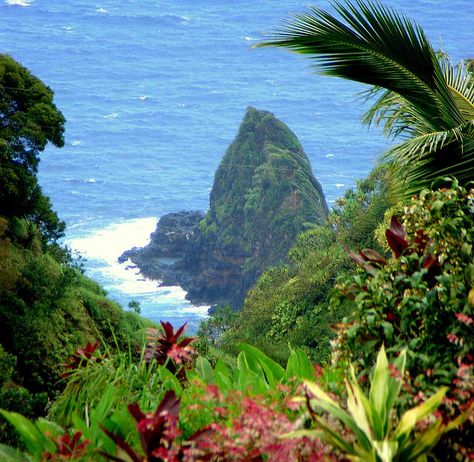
x=421 y=96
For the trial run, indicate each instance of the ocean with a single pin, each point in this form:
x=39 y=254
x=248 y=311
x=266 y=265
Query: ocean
x=153 y=92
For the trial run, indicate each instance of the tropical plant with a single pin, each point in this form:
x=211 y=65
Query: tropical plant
x=423 y=299
x=168 y=348
x=422 y=96
x=158 y=434
x=81 y=357
x=44 y=441
x=370 y=420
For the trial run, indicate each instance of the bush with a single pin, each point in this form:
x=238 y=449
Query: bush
x=421 y=298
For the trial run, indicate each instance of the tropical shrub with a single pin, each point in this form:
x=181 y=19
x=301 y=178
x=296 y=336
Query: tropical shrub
x=371 y=432
x=422 y=299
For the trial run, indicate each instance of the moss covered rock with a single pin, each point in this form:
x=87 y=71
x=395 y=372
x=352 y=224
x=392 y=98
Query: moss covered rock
x=264 y=195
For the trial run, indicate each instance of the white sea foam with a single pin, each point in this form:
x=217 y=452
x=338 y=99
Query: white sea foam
x=201 y=310
x=250 y=39
x=339 y=185
x=104 y=246
x=113 y=115
x=76 y=142
x=143 y=98
x=101 y=10
x=24 y=3
x=109 y=243
x=329 y=155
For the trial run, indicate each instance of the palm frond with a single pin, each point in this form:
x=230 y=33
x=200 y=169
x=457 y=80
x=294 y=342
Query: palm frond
x=420 y=95
x=376 y=46
x=461 y=85
x=454 y=156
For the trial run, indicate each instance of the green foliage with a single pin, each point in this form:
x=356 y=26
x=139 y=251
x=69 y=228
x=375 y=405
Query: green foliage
x=47 y=309
x=290 y=303
x=135 y=306
x=29 y=121
x=358 y=213
x=132 y=380
x=422 y=96
x=403 y=303
x=422 y=300
x=377 y=436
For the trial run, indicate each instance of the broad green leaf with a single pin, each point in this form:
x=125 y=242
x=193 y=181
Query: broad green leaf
x=374 y=418
x=270 y=367
x=247 y=378
x=292 y=365
x=204 y=370
x=357 y=410
x=386 y=450
x=36 y=443
x=411 y=417
x=50 y=427
x=422 y=444
x=299 y=365
x=326 y=403
x=379 y=388
x=169 y=380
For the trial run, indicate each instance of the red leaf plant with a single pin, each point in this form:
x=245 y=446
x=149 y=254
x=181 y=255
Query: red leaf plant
x=398 y=242
x=258 y=434
x=68 y=448
x=168 y=348
x=81 y=358
x=158 y=435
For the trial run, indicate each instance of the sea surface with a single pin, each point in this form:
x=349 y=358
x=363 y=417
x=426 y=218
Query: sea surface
x=153 y=92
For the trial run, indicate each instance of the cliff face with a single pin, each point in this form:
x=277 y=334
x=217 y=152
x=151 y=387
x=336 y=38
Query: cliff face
x=264 y=194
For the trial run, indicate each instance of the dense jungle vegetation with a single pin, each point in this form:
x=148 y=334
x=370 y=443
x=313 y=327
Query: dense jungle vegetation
x=359 y=348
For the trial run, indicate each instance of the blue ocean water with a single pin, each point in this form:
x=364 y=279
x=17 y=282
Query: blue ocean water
x=153 y=92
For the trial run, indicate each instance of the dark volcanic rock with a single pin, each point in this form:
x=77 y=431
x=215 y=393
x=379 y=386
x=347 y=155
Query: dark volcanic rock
x=170 y=242
x=264 y=194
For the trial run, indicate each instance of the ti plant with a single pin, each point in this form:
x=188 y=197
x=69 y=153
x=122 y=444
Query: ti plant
x=372 y=420
x=158 y=435
x=398 y=242
x=168 y=349
x=43 y=440
x=82 y=357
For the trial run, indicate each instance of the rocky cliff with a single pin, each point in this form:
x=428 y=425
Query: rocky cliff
x=264 y=194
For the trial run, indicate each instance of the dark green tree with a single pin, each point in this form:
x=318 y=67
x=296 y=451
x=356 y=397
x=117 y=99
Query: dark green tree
x=28 y=121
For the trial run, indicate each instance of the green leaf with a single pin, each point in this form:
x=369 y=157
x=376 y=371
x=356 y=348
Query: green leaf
x=299 y=365
x=411 y=417
x=386 y=450
x=8 y=454
x=46 y=426
x=326 y=403
x=35 y=441
x=273 y=371
x=204 y=370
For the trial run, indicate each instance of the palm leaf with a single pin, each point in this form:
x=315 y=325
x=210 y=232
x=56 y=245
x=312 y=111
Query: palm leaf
x=376 y=46
x=420 y=94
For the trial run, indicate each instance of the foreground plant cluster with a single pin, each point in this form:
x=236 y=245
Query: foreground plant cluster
x=171 y=404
